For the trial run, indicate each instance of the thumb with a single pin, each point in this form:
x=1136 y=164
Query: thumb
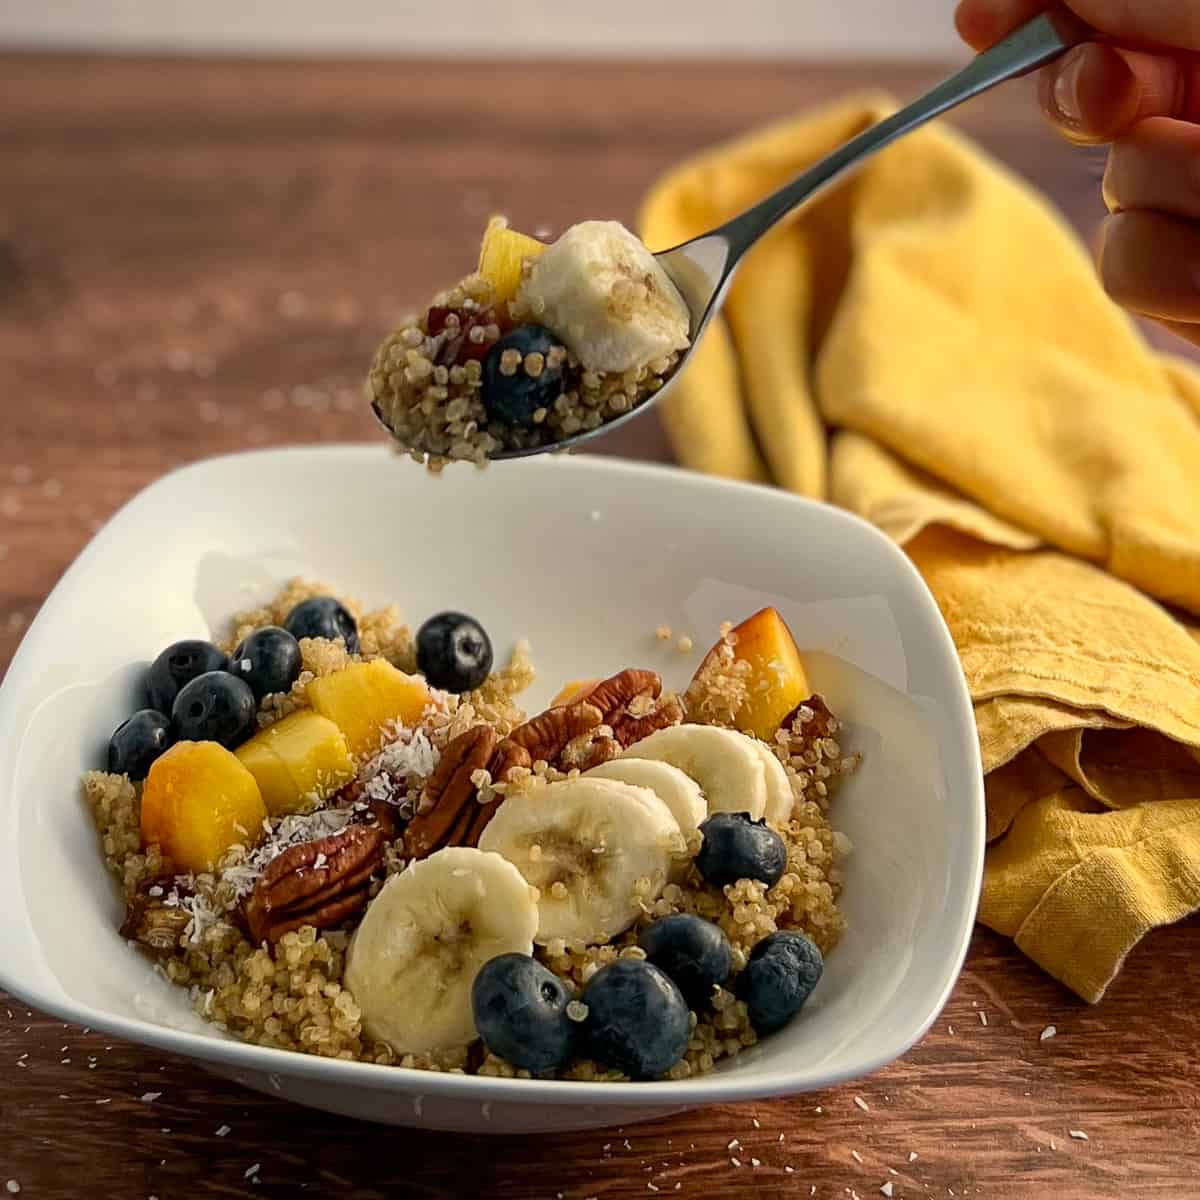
x=1174 y=23
x=1098 y=91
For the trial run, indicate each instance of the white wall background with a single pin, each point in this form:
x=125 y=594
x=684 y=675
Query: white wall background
x=607 y=28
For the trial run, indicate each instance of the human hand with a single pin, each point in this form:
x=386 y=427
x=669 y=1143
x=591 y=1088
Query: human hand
x=1137 y=88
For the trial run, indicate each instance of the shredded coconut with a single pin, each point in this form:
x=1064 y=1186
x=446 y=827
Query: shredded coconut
x=396 y=769
x=293 y=830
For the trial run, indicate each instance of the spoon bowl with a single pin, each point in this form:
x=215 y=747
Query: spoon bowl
x=703 y=267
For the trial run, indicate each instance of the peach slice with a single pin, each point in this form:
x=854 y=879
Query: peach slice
x=776 y=682
x=576 y=689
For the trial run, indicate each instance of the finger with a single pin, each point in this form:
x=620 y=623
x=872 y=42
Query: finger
x=1156 y=166
x=1097 y=92
x=1155 y=22
x=982 y=23
x=1150 y=264
x=1174 y=23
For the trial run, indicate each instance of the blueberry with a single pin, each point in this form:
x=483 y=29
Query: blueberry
x=514 y=398
x=737 y=847
x=780 y=974
x=695 y=954
x=521 y=1013
x=138 y=742
x=323 y=617
x=177 y=665
x=214 y=708
x=637 y=1019
x=268 y=660
x=453 y=652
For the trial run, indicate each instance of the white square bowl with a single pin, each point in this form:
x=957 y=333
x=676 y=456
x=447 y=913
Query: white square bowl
x=585 y=557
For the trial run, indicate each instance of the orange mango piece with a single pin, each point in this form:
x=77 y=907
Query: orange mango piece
x=197 y=802
x=777 y=682
x=363 y=699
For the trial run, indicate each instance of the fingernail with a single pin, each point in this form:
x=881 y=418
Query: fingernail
x=1066 y=87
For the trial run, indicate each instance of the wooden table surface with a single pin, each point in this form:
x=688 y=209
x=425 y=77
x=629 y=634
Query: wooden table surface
x=198 y=257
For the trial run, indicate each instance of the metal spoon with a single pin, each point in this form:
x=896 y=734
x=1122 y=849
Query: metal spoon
x=703 y=267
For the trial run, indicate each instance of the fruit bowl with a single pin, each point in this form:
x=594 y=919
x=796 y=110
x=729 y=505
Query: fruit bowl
x=586 y=557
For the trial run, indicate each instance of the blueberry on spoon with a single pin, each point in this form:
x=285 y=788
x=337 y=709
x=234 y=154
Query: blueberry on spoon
x=523 y=372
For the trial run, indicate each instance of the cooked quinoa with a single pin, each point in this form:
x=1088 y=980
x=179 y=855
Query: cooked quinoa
x=290 y=995
x=426 y=382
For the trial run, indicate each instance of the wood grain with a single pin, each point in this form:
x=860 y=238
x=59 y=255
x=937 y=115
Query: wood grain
x=200 y=256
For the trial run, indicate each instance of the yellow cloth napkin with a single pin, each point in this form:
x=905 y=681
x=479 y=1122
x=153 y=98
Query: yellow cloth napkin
x=929 y=346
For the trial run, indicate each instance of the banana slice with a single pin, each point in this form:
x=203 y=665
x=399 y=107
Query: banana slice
x=779 y=788
x=679 y=792
x=601 y=291
x=726 y=764
x=413 y=960
x=585 y=844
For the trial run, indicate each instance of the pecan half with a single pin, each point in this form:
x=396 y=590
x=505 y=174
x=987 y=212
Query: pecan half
x=544 y=738
x=810 y=719
x=509 y=756
x=319 y=883
x=613 y=696
x=589 y=750
x=631 y=703
x=449 y=813
x=632 y=728
x=156 y=925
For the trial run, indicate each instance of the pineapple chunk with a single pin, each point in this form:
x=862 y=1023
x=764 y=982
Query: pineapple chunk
x=299 y=760
x=198 y=801
x=364 y=698
x=573 y=691
x=776 y=683
x=502 y=255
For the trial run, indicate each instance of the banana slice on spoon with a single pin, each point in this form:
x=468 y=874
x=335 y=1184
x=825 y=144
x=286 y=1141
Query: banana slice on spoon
x=601 y=291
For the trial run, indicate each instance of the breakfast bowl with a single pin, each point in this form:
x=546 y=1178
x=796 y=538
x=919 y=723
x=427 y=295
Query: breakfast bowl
x=586 y=557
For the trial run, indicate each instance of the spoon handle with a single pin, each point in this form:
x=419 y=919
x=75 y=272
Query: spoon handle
x=1034 y=44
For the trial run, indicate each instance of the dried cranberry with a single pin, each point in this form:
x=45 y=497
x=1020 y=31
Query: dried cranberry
x=435 y=319
x=458 y=346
